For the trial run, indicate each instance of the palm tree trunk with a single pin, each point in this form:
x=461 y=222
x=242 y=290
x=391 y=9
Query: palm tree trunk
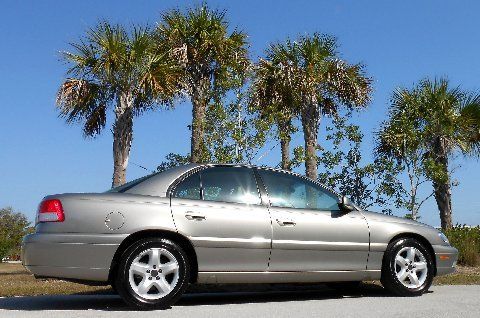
x=199 y=107
x=443 y=197
x=122 y=138
x=285 y=146
x=310 y=122
x=442 y=188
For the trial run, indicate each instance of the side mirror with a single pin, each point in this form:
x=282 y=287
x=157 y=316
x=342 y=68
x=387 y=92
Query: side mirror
x=346 y=205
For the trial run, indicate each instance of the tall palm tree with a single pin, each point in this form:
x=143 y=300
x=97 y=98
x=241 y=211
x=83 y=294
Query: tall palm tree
x=437 y=120
x=324 y=83
x=271 y=95
x=213 y=60
x=113 y=68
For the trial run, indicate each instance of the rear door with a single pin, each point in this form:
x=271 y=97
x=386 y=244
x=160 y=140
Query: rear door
x=310 y=233
x=219 y=210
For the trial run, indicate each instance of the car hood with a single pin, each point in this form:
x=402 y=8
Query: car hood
x=369 y=215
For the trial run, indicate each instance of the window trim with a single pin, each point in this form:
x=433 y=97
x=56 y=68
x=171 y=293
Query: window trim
x=301 y=177
x=173 y=186
x=228 y=202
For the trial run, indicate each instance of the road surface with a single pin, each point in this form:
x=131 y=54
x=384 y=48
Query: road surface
x=289 y=302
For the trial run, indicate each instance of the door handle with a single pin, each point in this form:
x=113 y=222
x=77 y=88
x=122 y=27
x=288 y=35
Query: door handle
x=286 y=222
x=194 y=216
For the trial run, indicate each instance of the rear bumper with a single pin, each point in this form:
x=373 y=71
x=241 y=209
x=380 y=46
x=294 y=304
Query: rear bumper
x=70 y=256
x=446 y=259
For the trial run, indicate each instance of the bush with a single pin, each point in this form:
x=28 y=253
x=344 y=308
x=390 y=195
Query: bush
x=13 y=226
x=467 y=241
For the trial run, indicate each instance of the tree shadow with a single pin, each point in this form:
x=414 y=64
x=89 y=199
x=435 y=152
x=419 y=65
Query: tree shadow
x=198 y=295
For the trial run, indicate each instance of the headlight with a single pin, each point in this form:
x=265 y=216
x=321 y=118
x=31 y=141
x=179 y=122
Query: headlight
x=443 y=237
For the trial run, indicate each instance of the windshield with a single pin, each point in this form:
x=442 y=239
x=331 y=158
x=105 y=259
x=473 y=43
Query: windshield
x=127 y=186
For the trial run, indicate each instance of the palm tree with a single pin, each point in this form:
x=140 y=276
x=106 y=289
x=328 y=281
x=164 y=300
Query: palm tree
x=324 y=84
x=271 y=95
x=112 y=68
x=438 y=121
x=213 y=60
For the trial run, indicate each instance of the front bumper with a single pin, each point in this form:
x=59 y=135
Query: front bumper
x=445 y=258
x=70 y=256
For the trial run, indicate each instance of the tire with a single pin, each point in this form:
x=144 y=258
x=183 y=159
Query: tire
x=344 y=286
x=153 y=274
x=402 y=275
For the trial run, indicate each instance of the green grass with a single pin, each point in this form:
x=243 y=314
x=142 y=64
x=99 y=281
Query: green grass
x=16 y=281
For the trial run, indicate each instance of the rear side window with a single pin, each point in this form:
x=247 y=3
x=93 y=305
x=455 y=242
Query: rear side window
x=289 y=191
x=230 y=184
x=189 y=188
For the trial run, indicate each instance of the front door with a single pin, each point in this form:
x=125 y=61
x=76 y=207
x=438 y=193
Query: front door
x=219 y=210
x=310 y=233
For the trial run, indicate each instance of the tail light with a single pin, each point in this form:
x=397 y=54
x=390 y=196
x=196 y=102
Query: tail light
x=50 y=210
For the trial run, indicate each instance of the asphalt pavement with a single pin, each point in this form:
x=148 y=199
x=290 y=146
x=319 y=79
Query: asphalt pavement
x=286 y=302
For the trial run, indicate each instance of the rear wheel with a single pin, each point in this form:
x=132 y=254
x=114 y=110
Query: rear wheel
x=407 y=268
x=153 y=274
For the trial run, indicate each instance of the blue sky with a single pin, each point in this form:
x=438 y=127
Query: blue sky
x=399 y=42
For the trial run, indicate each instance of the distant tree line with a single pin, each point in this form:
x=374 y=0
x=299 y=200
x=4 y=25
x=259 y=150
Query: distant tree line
x=239 y=105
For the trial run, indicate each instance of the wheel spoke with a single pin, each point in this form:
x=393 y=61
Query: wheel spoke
x=162 y=285
x=144 y=286
x=402 y=275
x=420 y=265
x=411 y=254
x=400 y=261
x=153 y=257
x=139 y=268
x=169 y=268
x=413 y=279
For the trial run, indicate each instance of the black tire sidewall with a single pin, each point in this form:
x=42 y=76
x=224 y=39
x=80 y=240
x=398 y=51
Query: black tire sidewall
x=122 y=278
x=389 y=276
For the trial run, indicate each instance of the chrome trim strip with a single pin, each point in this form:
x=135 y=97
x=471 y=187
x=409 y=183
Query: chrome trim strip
x=254 y=242
x=319 y=245
x=378 y=247
x=75 y=238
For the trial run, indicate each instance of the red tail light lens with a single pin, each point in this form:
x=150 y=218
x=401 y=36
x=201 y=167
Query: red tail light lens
x=50 y=211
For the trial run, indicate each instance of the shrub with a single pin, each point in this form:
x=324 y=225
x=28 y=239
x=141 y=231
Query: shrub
x=467 y=240
x=13 y=226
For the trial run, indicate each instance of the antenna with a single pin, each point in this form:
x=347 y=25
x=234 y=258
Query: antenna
x=268 y=151
x=140 y=166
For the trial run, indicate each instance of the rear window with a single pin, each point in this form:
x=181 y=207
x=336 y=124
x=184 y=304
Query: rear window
x=127 y=186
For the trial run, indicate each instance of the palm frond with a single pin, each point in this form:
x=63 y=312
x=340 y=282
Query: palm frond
x=82 y=101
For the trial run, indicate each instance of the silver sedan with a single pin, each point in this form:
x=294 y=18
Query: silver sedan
x=212 y=224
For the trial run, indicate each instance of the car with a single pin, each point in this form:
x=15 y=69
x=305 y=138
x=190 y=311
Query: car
x=212 y=224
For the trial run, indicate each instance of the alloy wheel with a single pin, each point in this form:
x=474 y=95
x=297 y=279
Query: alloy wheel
x=411 y=267
x=154 y=273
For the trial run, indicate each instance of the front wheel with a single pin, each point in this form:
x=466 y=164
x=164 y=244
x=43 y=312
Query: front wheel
x=153 y=274
x=407 y=268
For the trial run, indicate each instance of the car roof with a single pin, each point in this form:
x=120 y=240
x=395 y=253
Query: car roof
x=160 y=183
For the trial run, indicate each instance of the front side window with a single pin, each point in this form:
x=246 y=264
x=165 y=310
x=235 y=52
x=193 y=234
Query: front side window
x=289 y=191
x=189 y=188
x=230 y=184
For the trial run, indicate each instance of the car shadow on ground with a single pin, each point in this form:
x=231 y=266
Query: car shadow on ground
x=201 y=295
